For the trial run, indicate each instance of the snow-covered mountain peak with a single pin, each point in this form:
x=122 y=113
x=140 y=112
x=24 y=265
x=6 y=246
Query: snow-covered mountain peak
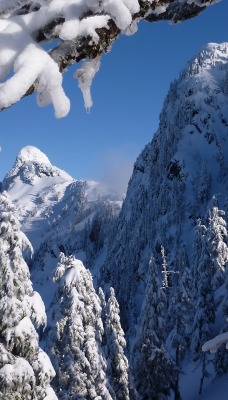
x=46 y=196
x=35 y=185
x=31 y=167
x=31 y=153
x=212 y=55
x=214 y=51
x=198 y=100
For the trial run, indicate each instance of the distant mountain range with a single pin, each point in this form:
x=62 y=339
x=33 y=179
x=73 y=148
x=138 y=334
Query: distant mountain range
x=171 y=228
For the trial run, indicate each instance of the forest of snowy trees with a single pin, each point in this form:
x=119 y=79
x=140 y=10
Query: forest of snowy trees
x=25 y=369
x=84 y=337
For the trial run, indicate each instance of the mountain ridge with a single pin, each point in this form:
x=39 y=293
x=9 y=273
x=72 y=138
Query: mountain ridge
x=174 y=179
x=32 y=163
x=188 y=142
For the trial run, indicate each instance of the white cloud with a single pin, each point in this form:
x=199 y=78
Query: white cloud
x=116 y=171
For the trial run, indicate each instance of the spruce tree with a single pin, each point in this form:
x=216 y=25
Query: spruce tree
x=209 y=264
x=204 y=302
x=221 y=357
x=117 y=361
x=25 y=370
x=181 y=313
x=154 y=369
x=204 y=295
x=204 y=185
x=216 y=241
x=180 y=308
x=76 y=335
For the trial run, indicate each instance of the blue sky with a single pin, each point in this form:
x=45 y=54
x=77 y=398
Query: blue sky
x=128 y=93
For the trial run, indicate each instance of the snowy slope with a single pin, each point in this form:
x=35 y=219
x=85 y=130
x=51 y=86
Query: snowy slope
x=42 y=191
x=35 y=186
x=164 y=196
x=216 y=391
x=55 y=211
x=172 y=184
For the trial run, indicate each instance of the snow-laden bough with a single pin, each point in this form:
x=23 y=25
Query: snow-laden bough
x=82 y=30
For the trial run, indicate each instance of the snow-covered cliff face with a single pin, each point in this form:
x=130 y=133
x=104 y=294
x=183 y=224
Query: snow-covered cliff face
x=170 y=191
x=173 y=179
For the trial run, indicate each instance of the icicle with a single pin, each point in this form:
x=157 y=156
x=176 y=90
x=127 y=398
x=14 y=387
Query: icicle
x=85 y=77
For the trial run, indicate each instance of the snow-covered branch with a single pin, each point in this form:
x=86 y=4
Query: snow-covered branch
x=82 y=29
x=213 y=344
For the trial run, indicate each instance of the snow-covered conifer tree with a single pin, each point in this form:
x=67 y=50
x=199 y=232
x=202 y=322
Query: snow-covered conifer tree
x=200 y=230
x=180 y=313
x=219 y=343
x=216 y=241
x=204 y=294
x=180 y=309
x=25 y=370
x=209 y=265
x=221 y=357
x=204 y=302
x=204 y=185
x=153 y=367
x=76 y=335
x=117 y=362
x=103 y=304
